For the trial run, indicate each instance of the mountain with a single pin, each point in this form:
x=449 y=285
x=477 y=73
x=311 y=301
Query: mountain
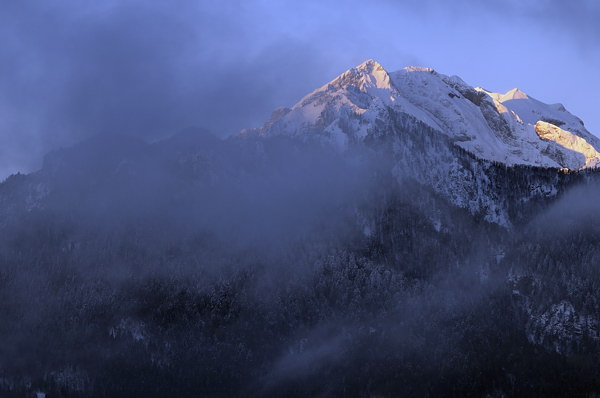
x=391 y=234
x=511 y=128
x=444 y=134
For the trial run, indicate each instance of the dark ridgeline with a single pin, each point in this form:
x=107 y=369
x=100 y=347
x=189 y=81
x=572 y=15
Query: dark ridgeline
x=197 y=266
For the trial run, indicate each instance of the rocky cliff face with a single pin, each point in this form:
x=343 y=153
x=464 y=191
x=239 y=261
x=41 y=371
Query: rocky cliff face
x=443 y=133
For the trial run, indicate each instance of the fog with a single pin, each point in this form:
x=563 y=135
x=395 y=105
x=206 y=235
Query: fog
x=262 y=241
x=574 y=212
x=151 y=251
x=71 y=69
x=253 y=250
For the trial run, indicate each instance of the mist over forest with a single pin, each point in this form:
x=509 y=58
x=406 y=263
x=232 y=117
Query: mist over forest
x=387 y=234
x=198 y=266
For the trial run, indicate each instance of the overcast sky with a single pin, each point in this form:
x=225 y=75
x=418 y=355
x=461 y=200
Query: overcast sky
x=73 y=68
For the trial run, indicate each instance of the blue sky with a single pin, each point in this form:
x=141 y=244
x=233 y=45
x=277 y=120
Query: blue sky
x=70 y=69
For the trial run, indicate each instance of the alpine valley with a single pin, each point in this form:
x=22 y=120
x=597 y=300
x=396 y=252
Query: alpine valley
x=391 y=234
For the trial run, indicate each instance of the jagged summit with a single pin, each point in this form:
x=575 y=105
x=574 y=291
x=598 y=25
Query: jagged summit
x=499 y=127
x=370 y=65
x=426 y=121
x=514 y=94
x=369 y=74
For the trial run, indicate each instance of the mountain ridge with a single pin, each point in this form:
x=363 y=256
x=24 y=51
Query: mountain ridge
x=445 y=134
x=397 y=261
x=493 y=126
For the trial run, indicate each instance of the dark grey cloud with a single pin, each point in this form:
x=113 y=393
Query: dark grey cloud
x=70 y=69
x=73 y=69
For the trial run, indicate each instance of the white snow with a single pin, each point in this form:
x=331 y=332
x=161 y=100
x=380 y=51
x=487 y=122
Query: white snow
x=511 y=128
x=531 y=120
x=515 y=93
x=493 y=126
x=550 y=132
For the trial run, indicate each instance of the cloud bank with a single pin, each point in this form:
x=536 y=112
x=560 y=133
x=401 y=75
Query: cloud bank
x=72 y=69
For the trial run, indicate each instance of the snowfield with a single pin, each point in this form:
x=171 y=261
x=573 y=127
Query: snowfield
x=492 y=126
x=426 y=120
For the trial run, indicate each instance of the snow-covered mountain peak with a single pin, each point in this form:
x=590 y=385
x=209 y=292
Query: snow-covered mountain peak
x=369 y=74
x=370 y=65
x=513 y=94
x=498 y=127
x=574 y=147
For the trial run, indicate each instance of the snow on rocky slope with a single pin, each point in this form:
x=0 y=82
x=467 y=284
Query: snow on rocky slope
x=425 y=119
x=510 y=128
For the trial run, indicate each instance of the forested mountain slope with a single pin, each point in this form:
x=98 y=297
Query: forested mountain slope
x=366 y=242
